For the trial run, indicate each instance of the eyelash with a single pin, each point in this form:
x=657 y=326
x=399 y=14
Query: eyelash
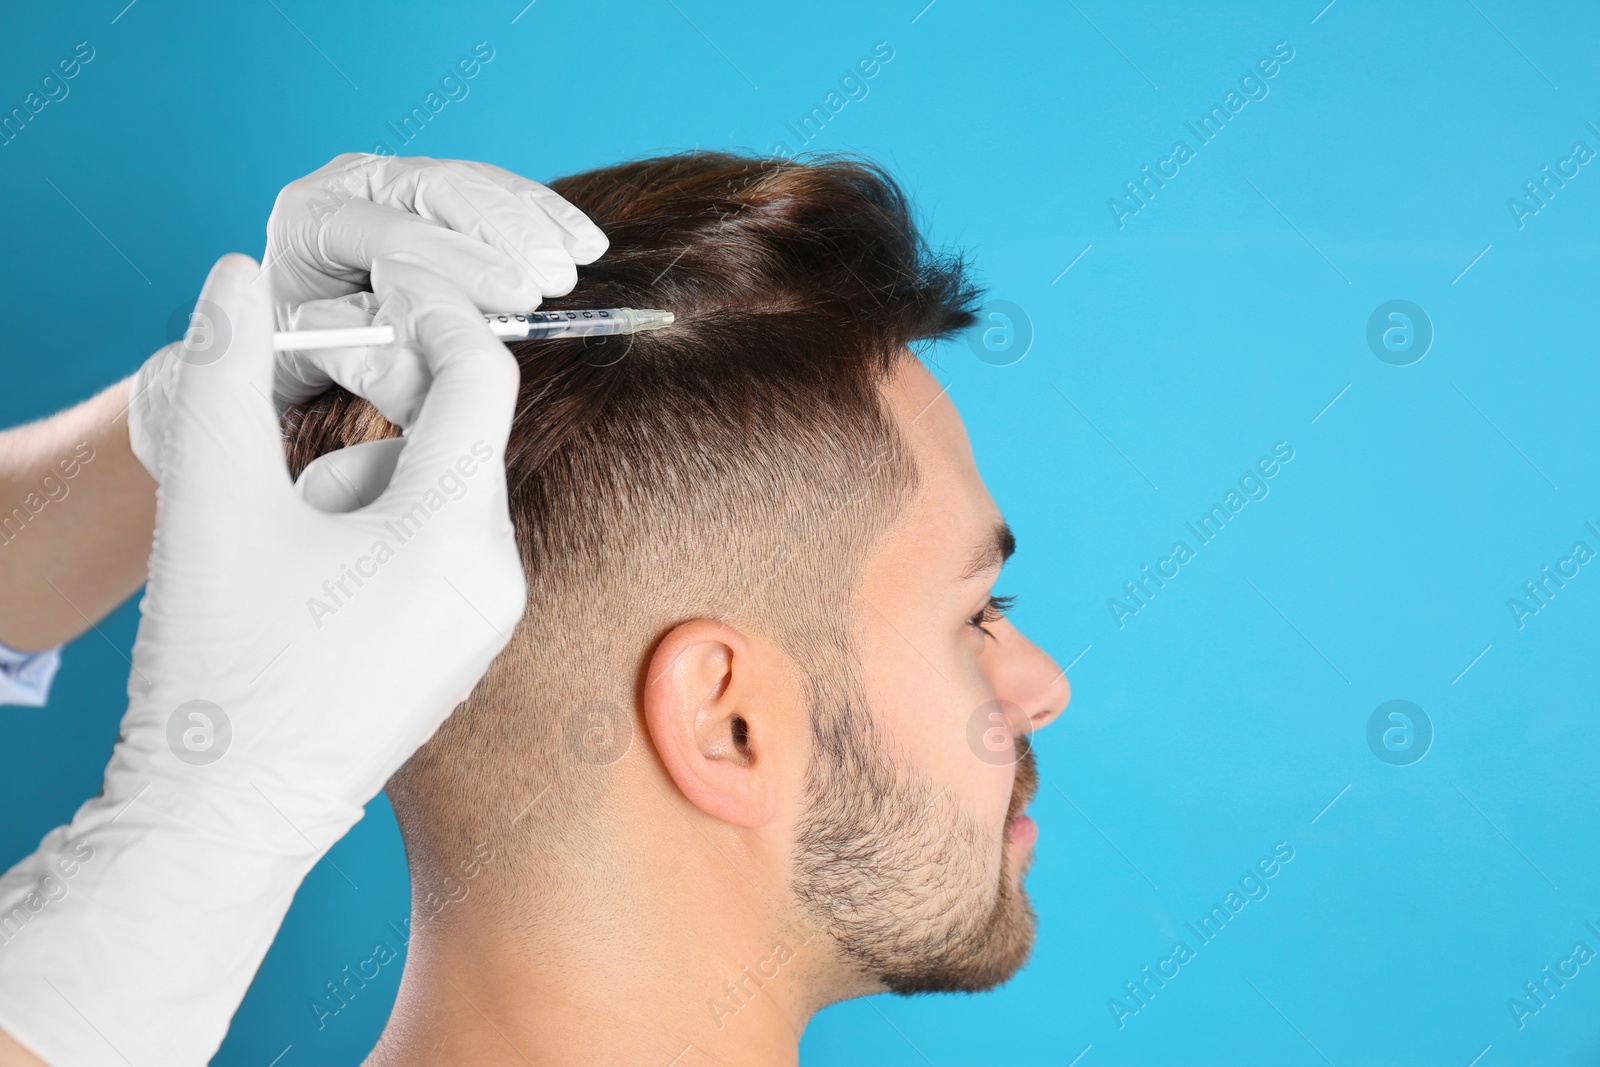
x=993 y=611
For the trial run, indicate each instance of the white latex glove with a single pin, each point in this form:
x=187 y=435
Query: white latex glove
x=272 y=694
x=507 y=241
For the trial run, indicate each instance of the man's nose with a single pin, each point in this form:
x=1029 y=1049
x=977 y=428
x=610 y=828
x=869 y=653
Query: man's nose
x=1024 y=674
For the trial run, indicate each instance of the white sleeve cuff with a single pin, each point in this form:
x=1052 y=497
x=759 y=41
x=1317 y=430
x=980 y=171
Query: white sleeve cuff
x=25 y=677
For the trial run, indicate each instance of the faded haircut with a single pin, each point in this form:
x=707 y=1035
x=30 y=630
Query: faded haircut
x=738 y=465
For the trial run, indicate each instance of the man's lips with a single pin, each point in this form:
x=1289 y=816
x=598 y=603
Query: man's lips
x=1020 y=829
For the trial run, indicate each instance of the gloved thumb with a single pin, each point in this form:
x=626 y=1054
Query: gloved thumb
x=223 y=437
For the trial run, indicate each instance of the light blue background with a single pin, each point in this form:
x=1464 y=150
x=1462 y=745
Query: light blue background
x=1223 y=318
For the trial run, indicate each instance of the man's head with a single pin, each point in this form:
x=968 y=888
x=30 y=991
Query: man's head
x=760 y=672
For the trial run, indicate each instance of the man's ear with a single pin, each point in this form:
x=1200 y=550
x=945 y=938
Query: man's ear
x=711 y=709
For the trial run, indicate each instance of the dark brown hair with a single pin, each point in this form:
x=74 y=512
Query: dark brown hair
x=778 y=271
x=735 y=465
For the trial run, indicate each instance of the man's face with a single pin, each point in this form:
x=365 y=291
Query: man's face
x=914 y=845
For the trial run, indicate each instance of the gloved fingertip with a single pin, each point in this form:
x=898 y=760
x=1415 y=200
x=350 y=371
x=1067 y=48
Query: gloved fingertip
x=401 y=412
x=324 y=489
x=524 y=287
x=235 y=268
x=589 y=247
x=350 y=478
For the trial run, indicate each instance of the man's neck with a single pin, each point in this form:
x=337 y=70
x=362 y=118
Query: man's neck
x=604 y=990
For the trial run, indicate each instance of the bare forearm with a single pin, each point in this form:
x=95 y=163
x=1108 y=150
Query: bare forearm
x=76 y=513
x=14 y=1055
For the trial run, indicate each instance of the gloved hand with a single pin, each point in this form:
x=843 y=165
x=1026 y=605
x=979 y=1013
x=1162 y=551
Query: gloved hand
x=287 y=662
x=507 y=241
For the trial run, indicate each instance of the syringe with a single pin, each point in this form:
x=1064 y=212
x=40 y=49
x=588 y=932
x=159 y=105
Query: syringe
x=508 y=326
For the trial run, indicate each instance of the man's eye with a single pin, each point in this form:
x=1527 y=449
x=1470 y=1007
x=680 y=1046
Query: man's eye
x=993 y=611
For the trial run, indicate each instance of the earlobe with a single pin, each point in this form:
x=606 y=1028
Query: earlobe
x=703 y=706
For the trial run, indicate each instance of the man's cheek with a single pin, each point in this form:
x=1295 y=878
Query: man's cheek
x=895 y=680
x=999 y=787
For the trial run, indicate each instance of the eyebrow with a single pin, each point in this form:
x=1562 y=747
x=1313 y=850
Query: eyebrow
x=992 y=554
